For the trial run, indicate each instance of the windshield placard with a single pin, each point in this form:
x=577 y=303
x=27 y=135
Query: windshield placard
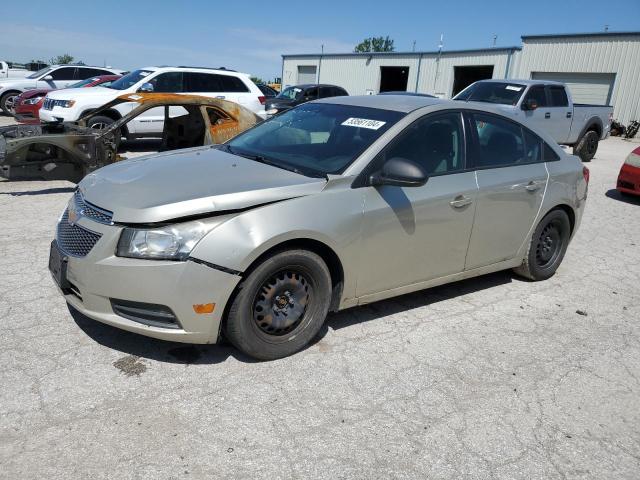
x=363 y=123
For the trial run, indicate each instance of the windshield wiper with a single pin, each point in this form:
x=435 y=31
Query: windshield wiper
x=267 y=161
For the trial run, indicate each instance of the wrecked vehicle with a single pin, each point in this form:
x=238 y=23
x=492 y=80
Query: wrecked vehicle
x=68 y=151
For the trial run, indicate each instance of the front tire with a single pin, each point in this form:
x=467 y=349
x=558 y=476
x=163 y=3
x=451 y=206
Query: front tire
x=587 y=146
x=99 y=122
x=280 y=306
x=548 y=245
x=7 y=102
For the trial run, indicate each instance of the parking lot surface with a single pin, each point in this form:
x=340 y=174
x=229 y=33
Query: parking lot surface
x=493 y=377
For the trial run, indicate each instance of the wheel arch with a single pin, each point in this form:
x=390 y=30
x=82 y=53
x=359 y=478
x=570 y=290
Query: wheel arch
x=324 y=251
x=570 y=213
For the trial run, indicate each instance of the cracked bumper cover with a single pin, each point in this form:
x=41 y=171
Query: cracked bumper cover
x=101 y=276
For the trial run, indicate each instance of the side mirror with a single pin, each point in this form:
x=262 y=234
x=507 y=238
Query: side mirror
x=529 y=104
x=48 y=78
x=400 y=172
x=146 y=87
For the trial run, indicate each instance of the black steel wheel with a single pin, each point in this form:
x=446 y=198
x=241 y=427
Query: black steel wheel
x=547 y=248
x=280 y=305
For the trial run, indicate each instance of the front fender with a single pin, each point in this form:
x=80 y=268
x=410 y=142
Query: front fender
x=333 y=218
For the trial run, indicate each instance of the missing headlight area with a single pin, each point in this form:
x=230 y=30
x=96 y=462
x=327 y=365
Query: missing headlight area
x=69 y=151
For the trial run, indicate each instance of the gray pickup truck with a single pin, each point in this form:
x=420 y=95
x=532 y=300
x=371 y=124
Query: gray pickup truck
x=548 y=106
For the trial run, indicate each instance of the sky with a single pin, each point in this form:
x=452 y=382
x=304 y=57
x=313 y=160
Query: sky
x=251 y=36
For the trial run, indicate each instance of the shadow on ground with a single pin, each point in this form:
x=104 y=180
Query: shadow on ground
x=172 y=352
x=46 y=191
x=616 y=195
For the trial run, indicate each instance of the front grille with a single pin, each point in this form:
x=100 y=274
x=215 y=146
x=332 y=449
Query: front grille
x=89 y=210
x=73 y=239
x=150 y=314
x=49 y=103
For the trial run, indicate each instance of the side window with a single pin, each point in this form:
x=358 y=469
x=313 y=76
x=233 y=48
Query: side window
x=549 y=154
x=202 y=82
x=434 y=142
x=558 y=97
x=500 y=142
x=84 y=73
x=339 y=92
x=170 y=82
x=64 y=73
x=326 y=92
x=311 y=93
x=232 y=84
x=538 y=94
x=532 y=147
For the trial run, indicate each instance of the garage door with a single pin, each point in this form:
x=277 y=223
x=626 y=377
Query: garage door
x=306 y=74
x=594 y=88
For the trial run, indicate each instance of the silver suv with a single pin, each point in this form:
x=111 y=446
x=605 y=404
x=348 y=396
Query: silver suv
x=333 y=204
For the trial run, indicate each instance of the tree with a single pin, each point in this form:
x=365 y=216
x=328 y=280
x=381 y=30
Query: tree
x=61 y=59
x=375 y=44
x=257 y=80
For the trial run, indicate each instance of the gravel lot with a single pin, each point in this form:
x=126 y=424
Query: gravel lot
x=493 y=377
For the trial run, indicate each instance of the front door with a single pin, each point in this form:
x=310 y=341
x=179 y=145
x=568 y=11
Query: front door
x=543 y=116
x=61 y=77
x=511 y=180
x=414 y=234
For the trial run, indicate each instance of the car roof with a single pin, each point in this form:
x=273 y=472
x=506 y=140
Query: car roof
x=397 y=103
x=194 y=69
x=309 y=85
x=521 y=82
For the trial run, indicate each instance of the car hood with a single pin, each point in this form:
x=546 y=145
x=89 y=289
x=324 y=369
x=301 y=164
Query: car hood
x=189 y=182
x=35 y=93
x=280 y=101
x=75 y=93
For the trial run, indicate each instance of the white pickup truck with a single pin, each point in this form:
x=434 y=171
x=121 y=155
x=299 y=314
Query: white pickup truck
x=546 y=105
x=9 y=71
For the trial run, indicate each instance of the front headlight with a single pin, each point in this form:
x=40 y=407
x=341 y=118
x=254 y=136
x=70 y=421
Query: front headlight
x=65 y=103
x=173 y=242
x=272 y=111
x=32 y=101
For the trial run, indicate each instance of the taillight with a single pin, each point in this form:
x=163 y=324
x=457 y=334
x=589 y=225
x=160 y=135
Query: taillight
x=585 y=174
x=262 y=100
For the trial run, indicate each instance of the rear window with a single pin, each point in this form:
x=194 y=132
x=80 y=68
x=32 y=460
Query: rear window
x=492 y=92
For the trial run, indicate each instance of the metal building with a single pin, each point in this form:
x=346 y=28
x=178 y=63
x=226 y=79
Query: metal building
x=600 y=68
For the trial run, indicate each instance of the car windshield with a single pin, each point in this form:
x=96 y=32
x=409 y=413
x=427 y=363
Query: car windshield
x=82 y=83
x=39 y=73
x=291 y=93
x=130 y=79
x=492 y=92
x=314 y=139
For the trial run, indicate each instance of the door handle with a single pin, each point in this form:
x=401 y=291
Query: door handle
x=460 y=201
x=547 y=115
x=532 y=186
x=568 y=114
x=221 y=97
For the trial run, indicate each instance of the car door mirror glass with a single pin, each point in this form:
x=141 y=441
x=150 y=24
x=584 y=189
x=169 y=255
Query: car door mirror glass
x=530 y=104
x=146 y=87
x=47 y=78
x=400 y=172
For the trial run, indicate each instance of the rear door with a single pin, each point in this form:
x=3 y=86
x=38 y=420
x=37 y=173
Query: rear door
x=560 y=112
x=414 y=234
x=512 y=180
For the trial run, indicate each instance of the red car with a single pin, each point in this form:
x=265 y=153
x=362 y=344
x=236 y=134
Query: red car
x=629 y=177
x=28 y=104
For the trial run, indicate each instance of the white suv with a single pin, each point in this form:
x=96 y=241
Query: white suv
x=55 y=76
x=71 y=104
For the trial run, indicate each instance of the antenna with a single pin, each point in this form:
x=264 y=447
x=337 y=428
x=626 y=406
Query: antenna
x=606 y=28
x=441 y=44
x=414 y=46
x=495 y=38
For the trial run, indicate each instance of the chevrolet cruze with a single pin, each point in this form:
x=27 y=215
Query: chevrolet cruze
x=333 y=204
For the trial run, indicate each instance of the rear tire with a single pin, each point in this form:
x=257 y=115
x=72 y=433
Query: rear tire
x=587 y=146
x=280 y=306
x=99 y=122
x=547 y=248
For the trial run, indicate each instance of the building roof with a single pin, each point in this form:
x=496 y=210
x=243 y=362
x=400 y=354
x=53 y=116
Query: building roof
x=586 y=34
x=391 y=54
